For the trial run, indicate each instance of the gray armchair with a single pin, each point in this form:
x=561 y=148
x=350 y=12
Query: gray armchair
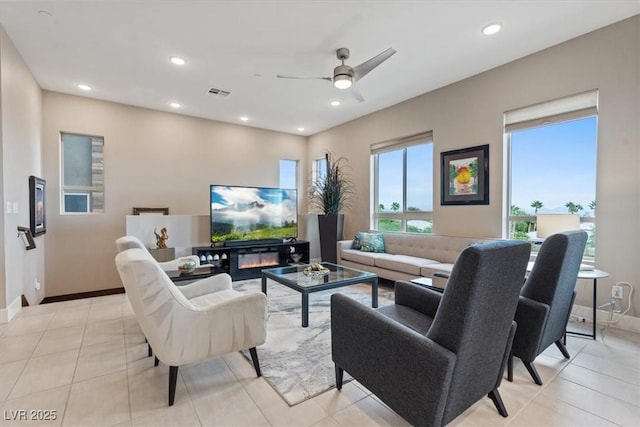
x=546 y=299
x=430 y=355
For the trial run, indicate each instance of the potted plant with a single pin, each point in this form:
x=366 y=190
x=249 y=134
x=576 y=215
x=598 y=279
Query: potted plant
x=331 y=194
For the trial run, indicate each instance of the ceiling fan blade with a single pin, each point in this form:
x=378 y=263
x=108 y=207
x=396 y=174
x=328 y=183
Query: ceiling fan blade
x=359 y=71
x=356 y=94
x=280 y=76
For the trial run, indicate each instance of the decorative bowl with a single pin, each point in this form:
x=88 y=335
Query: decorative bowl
x=187 y=267
x=315 y=270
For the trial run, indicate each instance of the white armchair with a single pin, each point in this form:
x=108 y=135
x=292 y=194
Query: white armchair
x=205 y=320
x=129 y=242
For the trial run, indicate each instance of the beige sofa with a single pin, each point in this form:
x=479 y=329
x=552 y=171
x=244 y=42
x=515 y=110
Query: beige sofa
x=408 y=256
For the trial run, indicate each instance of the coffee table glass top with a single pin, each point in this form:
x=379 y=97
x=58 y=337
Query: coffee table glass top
x=294 y=274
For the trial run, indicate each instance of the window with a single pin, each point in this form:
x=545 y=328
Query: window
x=552 y=168
x=82 y=174
x=403 y=185
x=76 y=202
x=319 y=170
x=289 y=174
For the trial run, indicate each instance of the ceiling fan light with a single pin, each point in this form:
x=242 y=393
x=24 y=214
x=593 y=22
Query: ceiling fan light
x=342 y=81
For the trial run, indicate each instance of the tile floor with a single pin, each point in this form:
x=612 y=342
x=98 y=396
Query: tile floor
x=85 y=361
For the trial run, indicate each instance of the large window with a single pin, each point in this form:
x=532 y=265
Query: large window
x=552 y=171
x=403 y=186
x=82 y=173
x=289 y=174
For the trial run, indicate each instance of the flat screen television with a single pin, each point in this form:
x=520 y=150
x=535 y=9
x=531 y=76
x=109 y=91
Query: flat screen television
x=252 y=213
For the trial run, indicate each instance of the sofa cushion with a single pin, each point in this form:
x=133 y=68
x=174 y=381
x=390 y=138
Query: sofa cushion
x=371 y=242
x=356 y=242
x=404 y=263
x=366 y=258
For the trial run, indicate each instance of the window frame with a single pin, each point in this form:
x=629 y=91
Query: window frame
x=405 y=215
x=575 y=107
x=84 y=189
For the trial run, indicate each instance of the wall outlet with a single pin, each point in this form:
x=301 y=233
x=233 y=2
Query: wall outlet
x=36 y=284
x=616 y=292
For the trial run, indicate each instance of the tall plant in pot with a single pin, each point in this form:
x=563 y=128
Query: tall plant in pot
x=332 y=193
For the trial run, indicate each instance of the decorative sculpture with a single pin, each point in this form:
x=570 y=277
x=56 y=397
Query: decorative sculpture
x=161 y=239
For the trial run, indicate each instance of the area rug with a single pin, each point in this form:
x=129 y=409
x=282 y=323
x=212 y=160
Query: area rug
x=296 y=361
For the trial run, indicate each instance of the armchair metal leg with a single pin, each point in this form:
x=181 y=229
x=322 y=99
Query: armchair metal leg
x=173 y=378
x=339 y=377
x=533 y=372
x=494 y=395
x=256 y=362
x=155 y=362
x=510 y=368
x=563 y=349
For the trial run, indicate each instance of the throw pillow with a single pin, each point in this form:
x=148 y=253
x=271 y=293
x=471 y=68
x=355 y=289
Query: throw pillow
x=356 y=242
x=371 y=242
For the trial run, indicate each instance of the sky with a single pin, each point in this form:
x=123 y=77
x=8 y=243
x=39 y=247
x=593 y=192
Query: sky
x=419 y=177
x=554 y=164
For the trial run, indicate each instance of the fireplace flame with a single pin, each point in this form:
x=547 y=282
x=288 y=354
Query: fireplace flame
x=258 y=260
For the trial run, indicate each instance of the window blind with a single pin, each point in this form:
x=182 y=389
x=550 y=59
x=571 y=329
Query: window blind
x=396 y=144
x=571 y=107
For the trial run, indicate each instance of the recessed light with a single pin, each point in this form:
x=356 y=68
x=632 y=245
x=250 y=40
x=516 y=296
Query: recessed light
x=491 y=29
x=175 y=105
x=335 y=103
x=177 y=60
x=300 y=129
x=244 y=118
x=84 y=86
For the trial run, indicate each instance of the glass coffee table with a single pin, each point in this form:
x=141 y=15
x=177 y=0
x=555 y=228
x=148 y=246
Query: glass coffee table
x=200 y=272
x=293 y=277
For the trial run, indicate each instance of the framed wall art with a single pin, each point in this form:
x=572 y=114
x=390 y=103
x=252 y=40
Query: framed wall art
x=37 y=206
x=151 y=211
x=465 y=176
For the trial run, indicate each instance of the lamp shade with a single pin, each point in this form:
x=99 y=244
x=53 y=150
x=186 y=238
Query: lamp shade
x=342 y=81
x=548 y=224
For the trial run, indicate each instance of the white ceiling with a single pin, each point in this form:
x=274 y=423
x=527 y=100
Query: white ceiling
x=122 y=50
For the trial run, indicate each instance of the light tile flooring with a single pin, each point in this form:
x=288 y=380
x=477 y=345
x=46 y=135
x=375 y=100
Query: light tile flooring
x=85 y=361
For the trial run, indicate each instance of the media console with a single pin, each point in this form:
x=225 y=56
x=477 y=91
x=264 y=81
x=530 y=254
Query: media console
x=247 y=260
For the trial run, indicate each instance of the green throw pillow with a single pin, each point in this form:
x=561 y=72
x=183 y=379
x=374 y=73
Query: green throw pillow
x=371 y=242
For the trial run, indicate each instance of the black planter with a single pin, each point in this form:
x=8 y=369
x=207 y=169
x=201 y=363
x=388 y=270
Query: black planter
x=330 y=230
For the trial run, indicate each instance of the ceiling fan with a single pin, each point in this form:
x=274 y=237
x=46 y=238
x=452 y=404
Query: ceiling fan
x=344 y=76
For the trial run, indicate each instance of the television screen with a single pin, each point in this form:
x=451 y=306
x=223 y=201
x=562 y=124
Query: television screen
x=252 y=213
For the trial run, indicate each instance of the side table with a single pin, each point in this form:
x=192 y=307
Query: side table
x=594 y=275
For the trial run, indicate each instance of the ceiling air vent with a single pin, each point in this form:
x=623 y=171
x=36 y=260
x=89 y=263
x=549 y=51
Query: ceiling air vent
x=219 y=92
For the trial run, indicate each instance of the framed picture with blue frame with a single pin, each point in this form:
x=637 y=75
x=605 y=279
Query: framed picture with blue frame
x=465 y=176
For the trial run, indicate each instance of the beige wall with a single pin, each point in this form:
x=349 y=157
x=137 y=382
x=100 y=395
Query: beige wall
x=162 y=159
x=152 y=159
x=20 y=148
x=470 y=113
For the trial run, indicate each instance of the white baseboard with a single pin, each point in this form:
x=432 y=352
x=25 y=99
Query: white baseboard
x=627 y=323
x=6 y=314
